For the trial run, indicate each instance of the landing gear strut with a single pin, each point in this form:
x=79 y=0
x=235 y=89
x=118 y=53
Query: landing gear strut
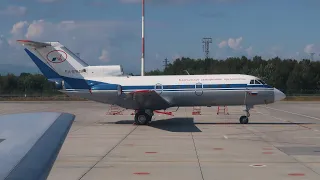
x=143 y=117
x=245 y=119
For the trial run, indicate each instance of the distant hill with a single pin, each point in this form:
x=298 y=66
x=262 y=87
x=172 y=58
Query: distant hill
x=17 y=69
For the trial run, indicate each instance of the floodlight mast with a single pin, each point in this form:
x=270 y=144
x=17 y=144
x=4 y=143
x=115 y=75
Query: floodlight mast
x=206 y=48
x=143 y=45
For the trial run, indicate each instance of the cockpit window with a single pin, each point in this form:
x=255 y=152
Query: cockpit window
x=262 y=82
x=257 y=81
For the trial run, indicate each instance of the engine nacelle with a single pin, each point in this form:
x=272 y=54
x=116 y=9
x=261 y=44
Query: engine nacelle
x=98 y=71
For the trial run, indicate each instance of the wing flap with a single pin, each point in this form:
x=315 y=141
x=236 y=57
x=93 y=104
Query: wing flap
x=148 y=99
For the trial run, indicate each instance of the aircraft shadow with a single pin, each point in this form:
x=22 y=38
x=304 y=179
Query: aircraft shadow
x=253 y=123
x=171 y=125
x=188 y=124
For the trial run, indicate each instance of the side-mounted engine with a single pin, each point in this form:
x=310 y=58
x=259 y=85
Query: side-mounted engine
x=114 y=70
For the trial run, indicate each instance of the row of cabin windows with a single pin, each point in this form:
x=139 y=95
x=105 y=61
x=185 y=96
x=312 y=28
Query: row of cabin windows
x=257 y=81
x=190 y=86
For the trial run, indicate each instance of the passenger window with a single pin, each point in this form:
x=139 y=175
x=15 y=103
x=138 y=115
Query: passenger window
x=252 y=82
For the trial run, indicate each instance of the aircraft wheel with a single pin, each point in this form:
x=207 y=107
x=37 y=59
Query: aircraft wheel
x=244 y=120
x=142 y=118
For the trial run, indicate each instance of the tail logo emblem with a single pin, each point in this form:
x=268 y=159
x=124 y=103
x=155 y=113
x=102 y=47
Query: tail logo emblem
x=57 y=56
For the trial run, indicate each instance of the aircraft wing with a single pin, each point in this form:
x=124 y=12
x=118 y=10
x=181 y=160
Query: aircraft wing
x=148 y=99
x=30 y=143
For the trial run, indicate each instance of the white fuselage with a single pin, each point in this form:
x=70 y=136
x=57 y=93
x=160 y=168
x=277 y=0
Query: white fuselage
x=180 y=90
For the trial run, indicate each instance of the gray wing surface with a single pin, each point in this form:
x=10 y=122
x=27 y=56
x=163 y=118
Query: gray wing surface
x=146 y=99
x=30 y=143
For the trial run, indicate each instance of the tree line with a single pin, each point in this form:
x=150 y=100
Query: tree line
x=26 y=84
x=289 y=75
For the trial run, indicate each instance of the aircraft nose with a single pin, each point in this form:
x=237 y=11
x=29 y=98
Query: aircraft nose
x=278 y=95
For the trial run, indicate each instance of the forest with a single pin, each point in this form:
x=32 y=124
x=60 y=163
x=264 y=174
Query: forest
x=289 y=75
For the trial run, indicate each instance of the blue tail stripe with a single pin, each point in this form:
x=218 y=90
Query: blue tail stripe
x=46 y=70
x=49 y=73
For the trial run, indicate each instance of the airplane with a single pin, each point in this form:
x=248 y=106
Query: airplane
x=146 y=94
x=30 y=143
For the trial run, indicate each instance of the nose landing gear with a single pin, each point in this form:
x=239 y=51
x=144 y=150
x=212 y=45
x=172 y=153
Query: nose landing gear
x=245 y=119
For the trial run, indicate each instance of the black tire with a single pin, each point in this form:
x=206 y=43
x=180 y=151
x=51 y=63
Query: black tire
x=244 y=120
x=142 y=118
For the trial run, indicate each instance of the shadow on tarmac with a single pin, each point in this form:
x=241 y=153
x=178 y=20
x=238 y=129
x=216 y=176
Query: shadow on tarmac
x=188 y=124
x=171 y=125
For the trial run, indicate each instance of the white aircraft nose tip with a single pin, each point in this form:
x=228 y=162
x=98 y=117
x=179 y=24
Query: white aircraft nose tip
x=278 y=95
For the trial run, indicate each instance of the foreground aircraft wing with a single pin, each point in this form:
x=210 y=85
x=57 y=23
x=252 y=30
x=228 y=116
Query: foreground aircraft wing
x=30 y=143
x=148 y=99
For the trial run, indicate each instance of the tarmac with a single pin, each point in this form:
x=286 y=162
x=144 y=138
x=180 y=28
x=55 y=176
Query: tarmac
x=281 y=141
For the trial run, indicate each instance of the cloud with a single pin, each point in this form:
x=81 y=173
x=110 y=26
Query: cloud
x=1 y=40
x=14 y=11
x=212 y=14
x=222 y=44
x=233 y=47
x=176 y=56
x=311 y=48
x=235 y=43
x=19 y=27
x=249 y=51
x=157 y=55
x=104 y=55
x=97 y=3
x=178 y=1
x=36 y=29
x=96 y=41
x=231 y=43
x=48 y=1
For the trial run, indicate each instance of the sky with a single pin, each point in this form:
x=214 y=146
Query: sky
x=108 y=32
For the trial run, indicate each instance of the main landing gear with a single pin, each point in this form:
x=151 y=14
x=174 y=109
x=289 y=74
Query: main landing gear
x=245 y=119
x=143 y=117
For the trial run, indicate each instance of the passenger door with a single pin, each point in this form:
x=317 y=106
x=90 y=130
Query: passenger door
x=199 y=89
x=158 y=88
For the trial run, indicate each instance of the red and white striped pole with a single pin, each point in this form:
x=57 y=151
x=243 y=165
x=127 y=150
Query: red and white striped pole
x=142 y=58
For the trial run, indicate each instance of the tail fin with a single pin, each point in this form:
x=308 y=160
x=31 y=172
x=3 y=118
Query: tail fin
x=56 y=56
x=56 y=61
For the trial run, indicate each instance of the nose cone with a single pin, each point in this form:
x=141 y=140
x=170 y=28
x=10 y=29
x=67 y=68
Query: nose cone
x=278 y=95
